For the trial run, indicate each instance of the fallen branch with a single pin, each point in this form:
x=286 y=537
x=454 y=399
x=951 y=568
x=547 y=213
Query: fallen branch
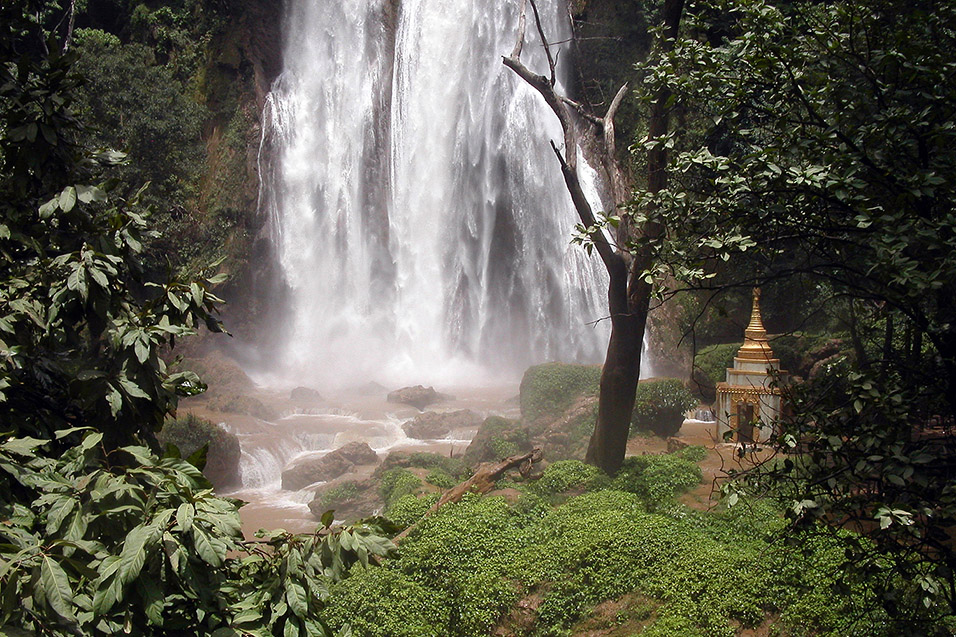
x=483 y=481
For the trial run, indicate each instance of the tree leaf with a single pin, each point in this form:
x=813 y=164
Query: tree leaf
x=56 y=587
x=133 y=555
x=67 y=199
x=87 y=194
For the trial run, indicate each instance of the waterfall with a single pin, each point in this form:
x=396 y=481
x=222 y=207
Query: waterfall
x=419 y=217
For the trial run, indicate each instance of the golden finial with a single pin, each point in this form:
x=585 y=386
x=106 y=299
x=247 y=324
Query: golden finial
x=755 y=345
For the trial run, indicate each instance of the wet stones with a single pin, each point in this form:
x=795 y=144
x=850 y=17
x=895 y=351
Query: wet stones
x=432 y=425
x=329 y=466
x=305 y=395
x=417 y=396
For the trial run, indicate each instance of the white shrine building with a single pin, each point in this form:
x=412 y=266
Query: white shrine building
x=750 y=400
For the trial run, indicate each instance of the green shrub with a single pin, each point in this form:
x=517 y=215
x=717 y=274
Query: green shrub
x=693 y=453
x=660 y=405
x=566 y=474
x=409 y=509
x=551 y=388
x=657 y=479
x=714 y=360
x=188 y=433
x=464 y=550
x=396 y=483
x=384 y=602
x=440 y=479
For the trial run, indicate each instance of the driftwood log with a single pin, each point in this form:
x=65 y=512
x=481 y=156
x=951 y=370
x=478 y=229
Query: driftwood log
x=483 y=481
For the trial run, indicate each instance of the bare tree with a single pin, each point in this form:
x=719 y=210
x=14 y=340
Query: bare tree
x=629 y=293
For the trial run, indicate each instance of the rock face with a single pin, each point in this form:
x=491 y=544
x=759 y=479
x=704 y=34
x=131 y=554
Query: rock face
x=305 y=395
x=349 y=499
x=497 y=438
x=417 y=396
x=329 y=466
x=432 y=424
x=675 y=444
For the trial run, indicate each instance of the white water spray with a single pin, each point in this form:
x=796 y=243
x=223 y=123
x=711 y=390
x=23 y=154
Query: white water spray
x=420 y=219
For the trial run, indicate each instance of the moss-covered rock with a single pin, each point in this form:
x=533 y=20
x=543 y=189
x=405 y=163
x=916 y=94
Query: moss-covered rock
x=497 y=438
x=350 y=499
x=548 y=390
x=188 y=433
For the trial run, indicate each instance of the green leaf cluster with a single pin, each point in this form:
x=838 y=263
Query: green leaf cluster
x=659 y=406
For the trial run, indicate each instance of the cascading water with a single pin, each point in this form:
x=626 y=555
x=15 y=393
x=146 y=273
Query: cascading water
x=419 y=217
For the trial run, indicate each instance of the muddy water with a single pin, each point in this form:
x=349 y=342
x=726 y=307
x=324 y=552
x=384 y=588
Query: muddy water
x=314 y=429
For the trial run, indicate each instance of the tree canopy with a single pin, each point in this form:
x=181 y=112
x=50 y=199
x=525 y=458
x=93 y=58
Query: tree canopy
x=818 y=139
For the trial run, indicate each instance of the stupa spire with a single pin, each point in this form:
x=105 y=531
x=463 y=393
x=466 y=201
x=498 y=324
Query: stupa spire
x=755 y=345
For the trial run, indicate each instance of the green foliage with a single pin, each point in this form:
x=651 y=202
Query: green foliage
x=660 y=405
x=454 y=467
x=396 y=483
x=384 y=602
x=549 y=389
x=189 y=434
x=658 y=479
x=714 y=360
x=333 y=498
x=408 y=509
x=564 y=475
x=140 y=106
x=440 y=479
x=101 y=542
x=693 y=453
x=81 y=348
x=840 y=169
x=497 y=438
x=463 y=551
x=100 y=536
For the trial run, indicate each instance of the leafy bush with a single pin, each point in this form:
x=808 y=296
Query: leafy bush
x=189 y=433
x=333 y=497
x=455 y=467
x=660 y=405
x=693 y=453
x=396 y=483
x=714 y=360
x=385 y=602
x=409 y=509
x=99 y=544
x=566 y=474
x=463 y=551
x=657 y=479
x=551 y=388
x=440 y=479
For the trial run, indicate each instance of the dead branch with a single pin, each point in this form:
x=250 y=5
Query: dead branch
x=483 y=481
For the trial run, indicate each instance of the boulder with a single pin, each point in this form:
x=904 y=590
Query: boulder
x=305 y=395
x=242 y=404
x=497 y=438
x=349 y=499
x=370 y=388
x=330 y=466
x=417 y=396
x=189 y=432
x=431 y=425
x=675 y=444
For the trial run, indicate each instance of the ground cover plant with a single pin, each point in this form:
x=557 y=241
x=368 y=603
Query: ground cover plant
x=479 y=565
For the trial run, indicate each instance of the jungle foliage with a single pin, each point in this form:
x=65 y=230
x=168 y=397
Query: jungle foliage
x=819 y=144
x=99 y=535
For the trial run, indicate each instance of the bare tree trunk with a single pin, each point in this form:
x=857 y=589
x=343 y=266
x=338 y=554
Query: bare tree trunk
x=628 y=293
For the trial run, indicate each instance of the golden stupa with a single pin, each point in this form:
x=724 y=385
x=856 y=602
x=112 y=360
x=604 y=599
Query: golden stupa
x=749 y=402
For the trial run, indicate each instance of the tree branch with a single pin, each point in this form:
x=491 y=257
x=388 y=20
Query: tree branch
x=483 y=481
